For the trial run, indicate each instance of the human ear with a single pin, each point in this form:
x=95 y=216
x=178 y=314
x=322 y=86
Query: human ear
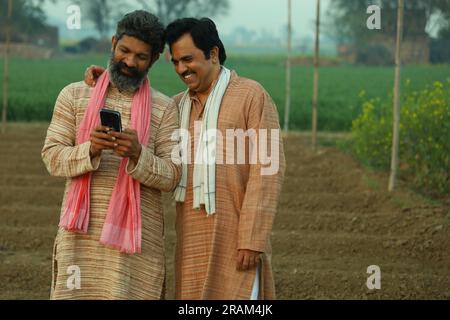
x=113 y=43
x=215 y=55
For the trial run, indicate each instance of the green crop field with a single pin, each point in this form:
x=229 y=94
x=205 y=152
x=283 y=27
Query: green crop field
x=36 y=84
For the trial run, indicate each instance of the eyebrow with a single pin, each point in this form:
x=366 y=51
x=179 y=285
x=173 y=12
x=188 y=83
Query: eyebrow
x=187 y=57
x=122 y=46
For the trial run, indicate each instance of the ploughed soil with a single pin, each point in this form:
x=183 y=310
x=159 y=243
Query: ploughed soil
x=335 y=219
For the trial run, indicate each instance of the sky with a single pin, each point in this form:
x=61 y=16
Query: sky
x=256 y=15
x=271 y=15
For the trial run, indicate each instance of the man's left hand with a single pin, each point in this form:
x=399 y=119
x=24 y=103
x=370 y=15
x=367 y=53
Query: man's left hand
x=128 y=144
x=247 y=259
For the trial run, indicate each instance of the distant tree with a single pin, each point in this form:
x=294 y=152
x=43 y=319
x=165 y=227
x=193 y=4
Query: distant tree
x=169 y=10
x=100 y=12
x=103 y=14
x=242 y=35
x=267 y=37
x=28 y=18
x=21 y=17
x=440 y=47
x=347 y=18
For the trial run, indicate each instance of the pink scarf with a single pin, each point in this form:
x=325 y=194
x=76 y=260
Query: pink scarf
x=122 y=226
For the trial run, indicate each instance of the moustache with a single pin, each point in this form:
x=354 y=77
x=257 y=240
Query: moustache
x=185 y=74
x=132 y=71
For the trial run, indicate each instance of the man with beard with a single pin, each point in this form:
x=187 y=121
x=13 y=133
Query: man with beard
x=110 y=244
x=225 y=209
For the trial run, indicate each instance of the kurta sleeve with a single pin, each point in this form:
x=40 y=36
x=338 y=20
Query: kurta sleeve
x=61 y=156
x=265 y=179
x=161 y=170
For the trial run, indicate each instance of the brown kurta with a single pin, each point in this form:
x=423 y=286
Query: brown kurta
x=246 y=203
x=106 y=273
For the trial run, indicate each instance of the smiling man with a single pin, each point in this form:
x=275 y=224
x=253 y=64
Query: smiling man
x=225 y=211
x=110 y=244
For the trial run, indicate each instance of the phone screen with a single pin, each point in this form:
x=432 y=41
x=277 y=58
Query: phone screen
x=111 y=119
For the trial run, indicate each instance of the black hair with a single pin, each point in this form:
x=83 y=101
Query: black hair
x=144 y=26
x=203 y=32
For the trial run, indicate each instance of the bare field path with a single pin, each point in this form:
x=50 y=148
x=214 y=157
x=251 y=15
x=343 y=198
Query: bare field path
x=334 y=220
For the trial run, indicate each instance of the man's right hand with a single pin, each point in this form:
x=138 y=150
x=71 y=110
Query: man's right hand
x=101 y=141
x=91 y=75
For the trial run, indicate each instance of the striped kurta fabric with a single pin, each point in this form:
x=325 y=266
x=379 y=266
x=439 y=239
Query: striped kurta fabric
x=246 y=202
x=102 y=272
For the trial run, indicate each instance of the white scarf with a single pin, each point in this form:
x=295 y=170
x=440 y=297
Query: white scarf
x=204 y=176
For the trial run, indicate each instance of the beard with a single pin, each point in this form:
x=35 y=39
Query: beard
x=125 y=82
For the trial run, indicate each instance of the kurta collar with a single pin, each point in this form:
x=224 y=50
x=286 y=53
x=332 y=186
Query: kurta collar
x=194 y=96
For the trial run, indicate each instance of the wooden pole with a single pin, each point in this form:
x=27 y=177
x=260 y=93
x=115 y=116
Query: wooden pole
x=287 y=98
x=396 y=111
x=6 y=67
x=316 y=78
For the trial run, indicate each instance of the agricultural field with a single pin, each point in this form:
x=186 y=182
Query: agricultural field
x=335 y=216
x=335 y=219
x=36 y=84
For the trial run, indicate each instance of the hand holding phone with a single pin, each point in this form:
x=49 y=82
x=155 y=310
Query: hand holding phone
x=128 y=144
x=101 y=140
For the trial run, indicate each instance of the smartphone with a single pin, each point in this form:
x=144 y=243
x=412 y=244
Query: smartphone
x=111 y=119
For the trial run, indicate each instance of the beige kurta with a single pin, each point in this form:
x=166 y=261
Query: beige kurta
x=246 y=203
x=106 y=273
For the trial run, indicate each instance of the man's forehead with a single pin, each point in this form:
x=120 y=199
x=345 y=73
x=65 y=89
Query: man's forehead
x=134 y=43
x=185 y=43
